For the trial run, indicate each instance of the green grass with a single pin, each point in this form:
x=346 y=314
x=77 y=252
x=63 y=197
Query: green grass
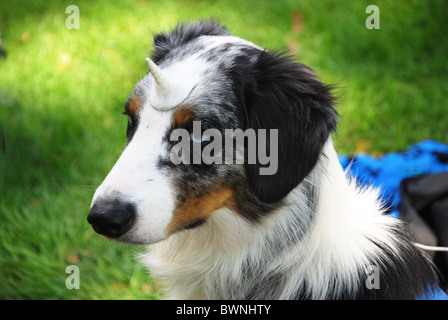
x=62 y=91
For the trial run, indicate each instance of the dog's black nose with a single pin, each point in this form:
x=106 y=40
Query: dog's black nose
x=111 y=218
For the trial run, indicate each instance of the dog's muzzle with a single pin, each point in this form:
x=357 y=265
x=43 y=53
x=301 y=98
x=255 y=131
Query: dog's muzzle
x=111 y=218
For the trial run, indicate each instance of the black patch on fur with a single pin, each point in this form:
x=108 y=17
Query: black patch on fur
x=184 y=33
x=216 y=53
x=195 y=224
x=404 y=274
x=275 y=92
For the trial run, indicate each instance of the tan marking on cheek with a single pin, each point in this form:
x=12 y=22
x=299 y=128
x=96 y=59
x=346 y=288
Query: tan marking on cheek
x=195 y=209
x=134 y=105
x=182 y=117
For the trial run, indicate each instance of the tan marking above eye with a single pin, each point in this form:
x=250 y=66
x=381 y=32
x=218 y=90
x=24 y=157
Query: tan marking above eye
x=183 y=116
x=195 y=209
x=134 y=105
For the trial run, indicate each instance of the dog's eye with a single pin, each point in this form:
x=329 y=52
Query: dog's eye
x=130 y=118
x=199 y=138
x=127 y=113
x=132 y=124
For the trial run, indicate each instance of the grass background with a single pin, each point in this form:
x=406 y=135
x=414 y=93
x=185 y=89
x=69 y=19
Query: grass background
x=62 y=92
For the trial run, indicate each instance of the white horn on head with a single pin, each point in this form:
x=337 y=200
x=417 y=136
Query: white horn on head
x=159 y=77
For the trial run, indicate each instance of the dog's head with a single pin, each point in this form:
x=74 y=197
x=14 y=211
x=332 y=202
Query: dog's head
x=203 y=84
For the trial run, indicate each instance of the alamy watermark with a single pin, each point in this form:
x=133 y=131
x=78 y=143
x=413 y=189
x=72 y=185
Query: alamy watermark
x=73 y=280
x=372 y=281
x=192 y=147
x=373 y=20
x=373 y=277
x=72 y=21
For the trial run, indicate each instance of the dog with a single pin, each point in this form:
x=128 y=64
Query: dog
x=226 y=231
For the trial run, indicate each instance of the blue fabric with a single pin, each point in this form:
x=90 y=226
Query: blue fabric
x=387 y=172
x=436 y=294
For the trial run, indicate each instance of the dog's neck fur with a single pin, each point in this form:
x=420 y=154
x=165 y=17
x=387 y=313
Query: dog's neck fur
x=316 y=246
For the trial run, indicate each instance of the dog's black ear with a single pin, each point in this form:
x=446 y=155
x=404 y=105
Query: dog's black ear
x=279 y=93
x=183 y=33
